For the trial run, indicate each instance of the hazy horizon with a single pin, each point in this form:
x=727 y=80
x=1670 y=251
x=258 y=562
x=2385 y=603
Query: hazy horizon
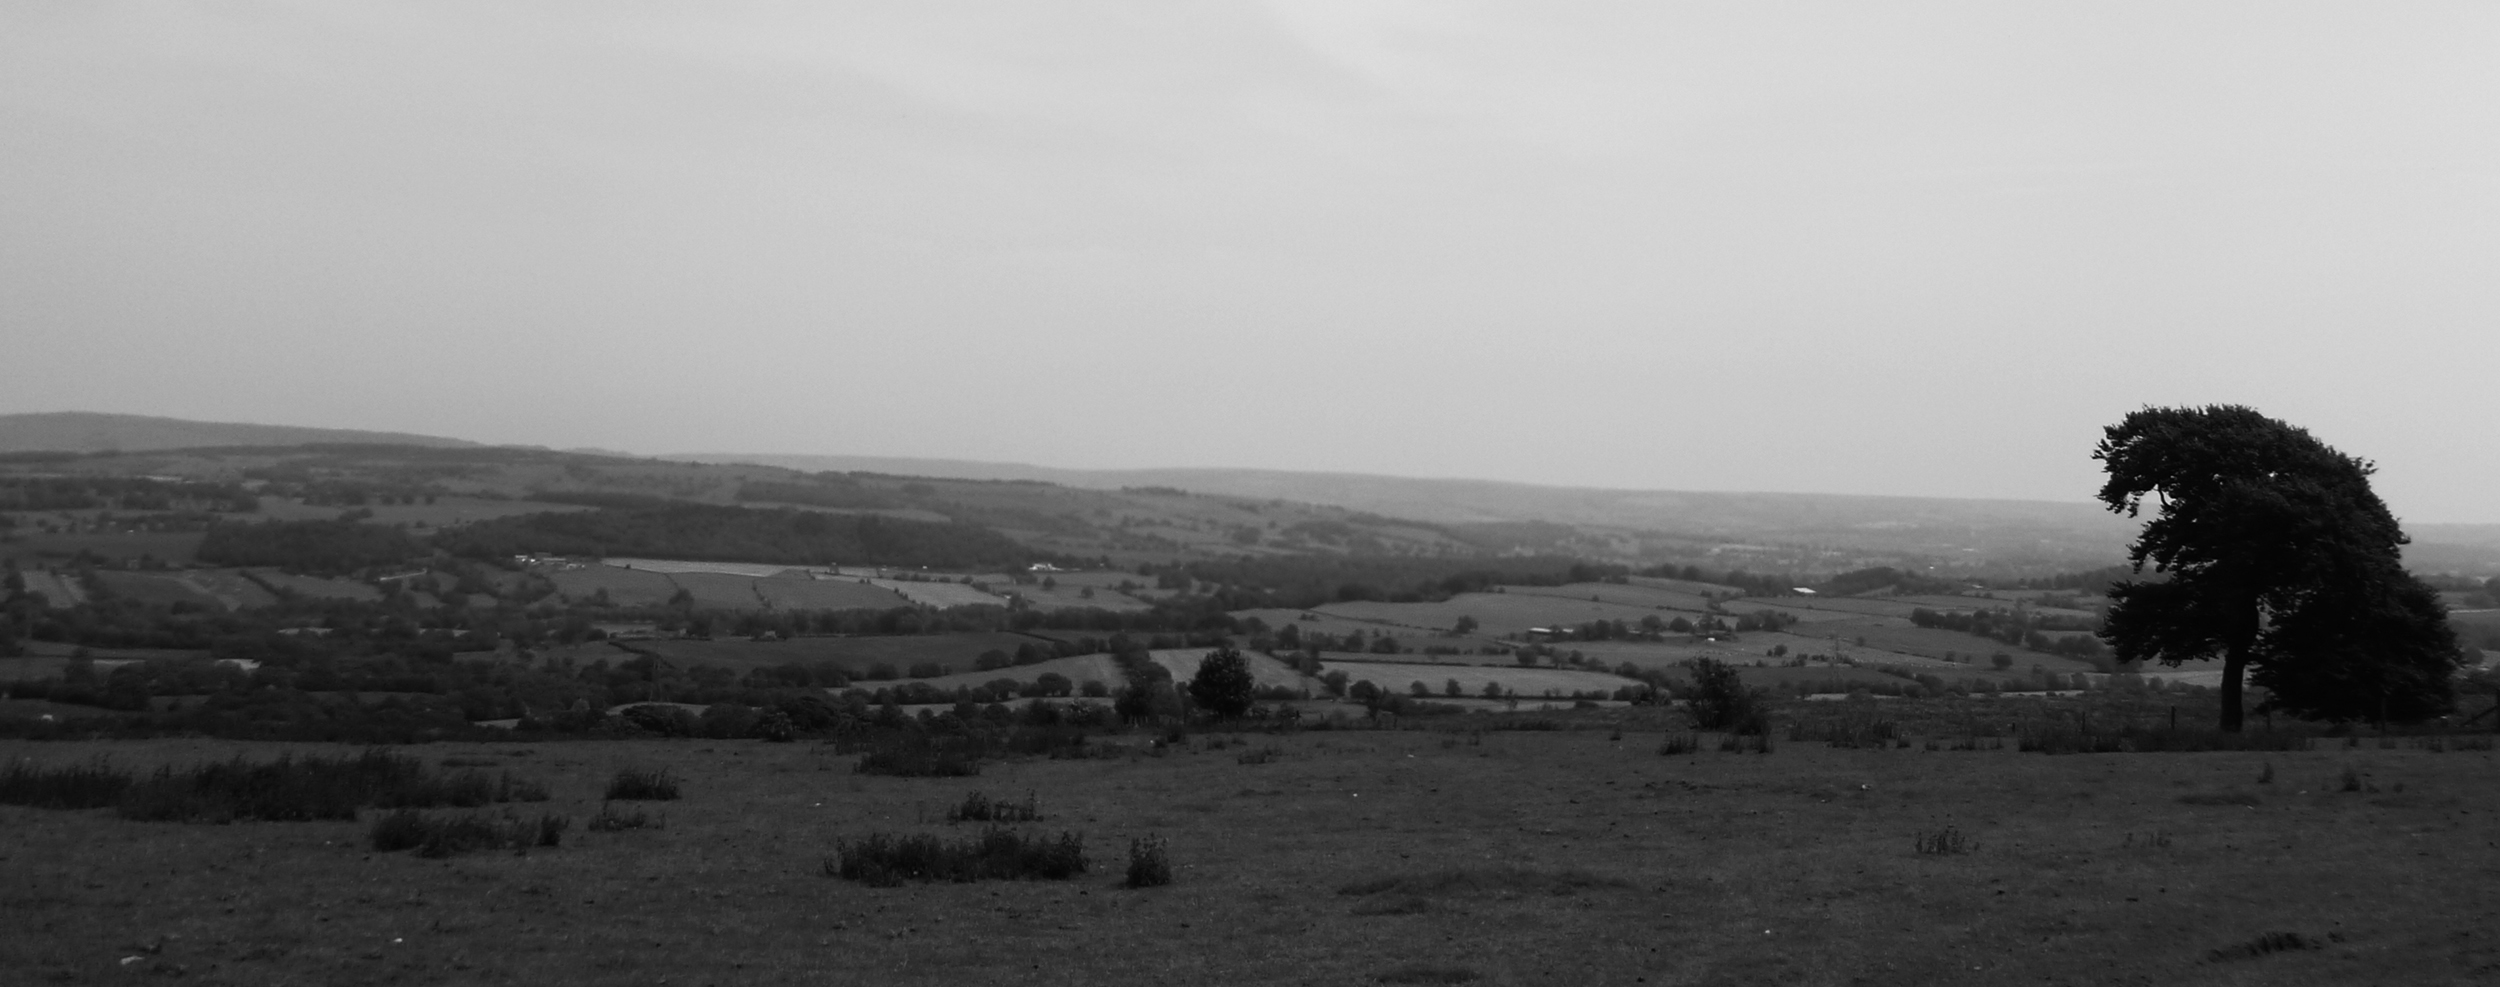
x=1922 y=250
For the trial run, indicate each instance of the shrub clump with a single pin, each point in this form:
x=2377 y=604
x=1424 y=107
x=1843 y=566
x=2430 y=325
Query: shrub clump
x=643 y=785
x=312 y=788
x=1149 y=863
x=1945 y=842
x=886 y=860
x=443 y=836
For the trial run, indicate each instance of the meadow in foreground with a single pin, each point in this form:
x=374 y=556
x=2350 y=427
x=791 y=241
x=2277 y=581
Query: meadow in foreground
x=1326 y=857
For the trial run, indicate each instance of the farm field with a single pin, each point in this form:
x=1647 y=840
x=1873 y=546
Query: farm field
x=940 y=594
x=854 y=654
x=316 y=586
x=444 y=511
x=225 y=589
x=791 y=593
x=1347 y=857
x=625 y=587
x=718 y=590
x=1630 y=595
x=1080 y=669
x=59 y=589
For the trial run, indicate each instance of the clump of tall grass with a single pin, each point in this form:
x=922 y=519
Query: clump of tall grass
x=887 y=860
x=977 y=807
x=1149 y=863
x=76 y=786
x=1945 y=842
x=311 y=788
x=610 y=821
x=443 y=836
x=1484 y=882
x=1677 y=745
x=643 y=785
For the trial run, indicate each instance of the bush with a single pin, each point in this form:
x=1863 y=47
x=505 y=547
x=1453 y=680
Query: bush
x=1149 y=863
x=643 y=785
x=1720 y=701
x=1945 y=842
x=1677 y=745
x=311 y=788
x=887 y=860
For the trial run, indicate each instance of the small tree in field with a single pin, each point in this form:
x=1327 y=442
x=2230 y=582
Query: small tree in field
x=1720 y=700
x=1223 y=685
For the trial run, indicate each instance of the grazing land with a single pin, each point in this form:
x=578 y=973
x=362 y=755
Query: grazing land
x=1345 y=856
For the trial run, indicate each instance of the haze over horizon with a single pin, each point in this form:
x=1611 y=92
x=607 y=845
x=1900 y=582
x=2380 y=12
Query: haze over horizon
x=1917 y=250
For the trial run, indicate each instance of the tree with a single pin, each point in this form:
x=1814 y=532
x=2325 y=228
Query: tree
x=1720 y=701
x=1223 y=685
x=2275 y=555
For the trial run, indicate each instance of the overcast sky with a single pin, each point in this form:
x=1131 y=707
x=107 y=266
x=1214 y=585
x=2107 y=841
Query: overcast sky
x=1889 y=248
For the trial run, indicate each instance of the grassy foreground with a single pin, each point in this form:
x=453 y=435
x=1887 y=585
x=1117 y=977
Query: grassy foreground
x=1328 y=858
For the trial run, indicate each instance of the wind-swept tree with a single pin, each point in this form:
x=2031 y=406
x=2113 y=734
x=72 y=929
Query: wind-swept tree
x=2279 y=559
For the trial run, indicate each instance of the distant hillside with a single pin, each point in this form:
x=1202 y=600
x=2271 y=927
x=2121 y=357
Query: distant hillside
x=2005 y=532
x=87 y=431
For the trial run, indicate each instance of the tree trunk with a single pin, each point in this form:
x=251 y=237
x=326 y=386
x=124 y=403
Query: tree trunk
x=2234 y=663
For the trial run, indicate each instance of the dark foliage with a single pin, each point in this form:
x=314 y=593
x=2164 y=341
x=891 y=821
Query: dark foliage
x=611 y=821
x=309 y=788
x=2280 y=559
x=443 y=836
x=1149 y=863
x=88 y=786
x=977 y=807
x=918 y=755
x=887 y=860
x=643 y=785
x=317 y=547
x=1223 y=685
x=1719 y=700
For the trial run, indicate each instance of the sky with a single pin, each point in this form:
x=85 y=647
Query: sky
x=1922 y=249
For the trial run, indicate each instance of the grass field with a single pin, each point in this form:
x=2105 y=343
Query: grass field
x=785 y=593
x=59 y=589
x=1567 y=857
x=940 y=594
x=1400 y=677
x=625 y=587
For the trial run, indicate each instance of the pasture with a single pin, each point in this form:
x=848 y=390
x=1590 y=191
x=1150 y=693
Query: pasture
x=1577 y=855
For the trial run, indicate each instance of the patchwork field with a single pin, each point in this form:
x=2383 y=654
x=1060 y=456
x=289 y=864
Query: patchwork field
x=316 y=586
x=940 y=594
x=852 y=653
x=625 y=587
x=1343 y=857
x=59 y=589
x=28 y=549
x=789 y=593
x=224 y=589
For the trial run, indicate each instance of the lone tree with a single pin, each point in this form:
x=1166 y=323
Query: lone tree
x=1223 y=685
x=2279 y=559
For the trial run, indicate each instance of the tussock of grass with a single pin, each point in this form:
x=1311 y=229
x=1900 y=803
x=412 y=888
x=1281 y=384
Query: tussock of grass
x=87 y=786
x=2271 y=942
x=888 y=860
x=1427 y=973
x=643 y=785
x=443 y=836
x=1945 y=842
x=2219 y=798
x=610 y=821
x=977 y=807
x=916 y=756
x=288 y=789
x=1484 y=881
x=1149 y=863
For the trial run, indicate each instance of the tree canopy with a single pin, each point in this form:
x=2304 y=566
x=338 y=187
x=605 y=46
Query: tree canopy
x=1223 y=685
x=2279 y=559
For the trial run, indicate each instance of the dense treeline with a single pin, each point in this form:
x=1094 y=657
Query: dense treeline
x=703 y=531
x=2019 y=627
x=1884 y=576
x=316 y=547
x=121 y=493
x=828 y=490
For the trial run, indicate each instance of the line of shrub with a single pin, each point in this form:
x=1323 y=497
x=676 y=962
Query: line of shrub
x=977 y=807
x=643 y=785
x=887 y=860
